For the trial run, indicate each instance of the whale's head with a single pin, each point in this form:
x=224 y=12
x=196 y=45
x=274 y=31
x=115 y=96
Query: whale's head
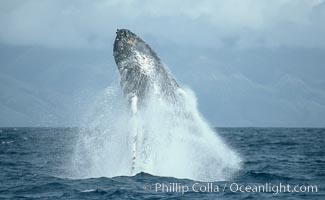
x=131 y=51
x=124 y=44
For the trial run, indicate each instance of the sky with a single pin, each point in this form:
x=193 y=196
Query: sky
x=249 y=62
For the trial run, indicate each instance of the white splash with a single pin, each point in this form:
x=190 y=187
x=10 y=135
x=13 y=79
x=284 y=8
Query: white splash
x=172 y=140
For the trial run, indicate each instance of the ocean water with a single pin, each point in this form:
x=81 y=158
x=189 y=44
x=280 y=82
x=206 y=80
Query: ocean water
x=35 y=163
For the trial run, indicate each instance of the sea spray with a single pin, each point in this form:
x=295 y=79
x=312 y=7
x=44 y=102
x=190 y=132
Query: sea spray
x=173 y=139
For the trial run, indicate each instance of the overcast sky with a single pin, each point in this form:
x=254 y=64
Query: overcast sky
x=250 y=62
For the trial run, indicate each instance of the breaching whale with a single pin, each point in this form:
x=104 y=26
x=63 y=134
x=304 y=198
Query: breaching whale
x=141 y=73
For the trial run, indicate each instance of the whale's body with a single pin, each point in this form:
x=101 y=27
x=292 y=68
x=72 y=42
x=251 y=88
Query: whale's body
x=142 y=74
x=141 y=70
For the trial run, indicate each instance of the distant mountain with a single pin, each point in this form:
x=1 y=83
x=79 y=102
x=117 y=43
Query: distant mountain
x=252 y=87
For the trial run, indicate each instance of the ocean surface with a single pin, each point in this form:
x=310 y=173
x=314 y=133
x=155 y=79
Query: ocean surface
x=278 y=163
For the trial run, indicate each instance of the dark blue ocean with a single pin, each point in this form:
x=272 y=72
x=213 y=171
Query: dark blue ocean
x=289 y=163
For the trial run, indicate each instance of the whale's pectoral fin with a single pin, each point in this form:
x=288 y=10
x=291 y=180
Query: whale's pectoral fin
x=134 y=153
x=134 y=109
x=134 y=104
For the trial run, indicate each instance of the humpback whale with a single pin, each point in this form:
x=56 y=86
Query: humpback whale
x=141 y=73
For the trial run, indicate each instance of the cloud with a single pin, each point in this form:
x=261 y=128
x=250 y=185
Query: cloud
x=209 y=23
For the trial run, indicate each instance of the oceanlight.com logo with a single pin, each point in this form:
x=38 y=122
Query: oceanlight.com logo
x=229 y=187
